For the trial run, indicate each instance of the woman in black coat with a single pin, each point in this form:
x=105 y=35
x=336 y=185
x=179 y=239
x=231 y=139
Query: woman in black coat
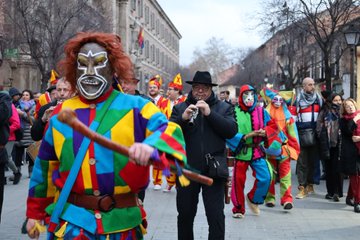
x=327 y=128
x=350 y=158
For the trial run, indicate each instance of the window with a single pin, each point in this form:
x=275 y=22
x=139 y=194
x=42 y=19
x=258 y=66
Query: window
x=147 y=50
x=162 y=30
x=141 y=8
x=152 y=20
x=162 y=59
x=157 y=30
x=133 y=5
x=146 y=15
x=152 y=52
x=157 y=56
x=166 y=36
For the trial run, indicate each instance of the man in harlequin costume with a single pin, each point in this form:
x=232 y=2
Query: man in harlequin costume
x=251 y=120
x=46 y=98
x=282 y=146
x=174 y=94
x=154 y=93
x=103 y=201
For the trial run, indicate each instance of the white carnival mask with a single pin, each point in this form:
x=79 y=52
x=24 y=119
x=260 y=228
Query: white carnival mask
x=248 y=98
x=277 y=101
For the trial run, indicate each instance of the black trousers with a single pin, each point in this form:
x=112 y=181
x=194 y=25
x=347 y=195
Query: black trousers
x=305 y=165
x=187 y=199
x=3 y=161
x=334 y=179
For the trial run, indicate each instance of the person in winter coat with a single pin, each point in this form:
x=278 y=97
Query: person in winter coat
x=350 y=158
x=14 y=122
x=327 y=129
x=26 y=109
x=5 y=113
x=206 y=123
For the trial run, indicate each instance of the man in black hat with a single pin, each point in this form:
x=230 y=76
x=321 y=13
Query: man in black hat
x=206 y=123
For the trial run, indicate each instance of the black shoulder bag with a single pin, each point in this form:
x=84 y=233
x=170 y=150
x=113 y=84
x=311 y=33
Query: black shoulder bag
x=307 y=136
x=217 y=166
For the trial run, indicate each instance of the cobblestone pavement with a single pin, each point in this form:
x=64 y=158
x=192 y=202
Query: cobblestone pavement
x=312 y=218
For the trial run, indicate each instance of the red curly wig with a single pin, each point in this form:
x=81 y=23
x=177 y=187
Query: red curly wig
x=120 y=62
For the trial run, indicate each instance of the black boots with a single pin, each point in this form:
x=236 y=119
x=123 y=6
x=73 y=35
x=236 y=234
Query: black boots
x=357 y=207
x=17 y=177
x=349 y=201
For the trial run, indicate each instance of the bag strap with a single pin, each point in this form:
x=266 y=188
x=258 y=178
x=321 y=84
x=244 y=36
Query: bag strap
x=70 y=180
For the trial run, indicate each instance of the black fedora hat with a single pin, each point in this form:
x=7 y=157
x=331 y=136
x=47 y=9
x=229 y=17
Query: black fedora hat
x=202 y=78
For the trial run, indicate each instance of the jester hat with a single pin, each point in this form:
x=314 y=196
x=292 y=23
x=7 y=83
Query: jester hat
x=156 y=80
x=177 y=82
x=53 y=77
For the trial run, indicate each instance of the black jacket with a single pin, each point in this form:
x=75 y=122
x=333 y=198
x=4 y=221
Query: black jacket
x=5 y=114
x=349 y=158
x=38 y=127
x=208 y=134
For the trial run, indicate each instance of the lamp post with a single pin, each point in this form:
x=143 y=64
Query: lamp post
x=352 y=36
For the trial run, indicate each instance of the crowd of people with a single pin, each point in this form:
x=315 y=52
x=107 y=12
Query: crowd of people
x=81 y=188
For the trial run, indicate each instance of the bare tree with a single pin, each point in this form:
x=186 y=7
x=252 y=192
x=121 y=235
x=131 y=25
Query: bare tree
x=215 y=57
x=277 y=21
x=323 y=20
x=307 y=27
x=254 y=68
x=42 y=27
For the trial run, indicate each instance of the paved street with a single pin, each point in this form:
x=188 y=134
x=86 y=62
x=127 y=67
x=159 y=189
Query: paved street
x=312 y=218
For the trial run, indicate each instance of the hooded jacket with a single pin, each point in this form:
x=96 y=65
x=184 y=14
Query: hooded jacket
x=208 y=133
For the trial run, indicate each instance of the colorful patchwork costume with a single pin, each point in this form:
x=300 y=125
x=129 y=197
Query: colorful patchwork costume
x=248 y=153
x=282 y=147
x=102 y=170
x=103 y=203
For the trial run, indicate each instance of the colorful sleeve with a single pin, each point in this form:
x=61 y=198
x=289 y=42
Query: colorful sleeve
x=165 y=136
x=41 y=188
x=235 y=143
x=293 y=139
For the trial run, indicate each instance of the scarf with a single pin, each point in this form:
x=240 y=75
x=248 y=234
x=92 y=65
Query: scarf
x=350 y=116
x=27 y=105
x=211 y=100
x=307 y=99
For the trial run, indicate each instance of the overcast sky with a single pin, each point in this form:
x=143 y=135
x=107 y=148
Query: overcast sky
x=199 y=20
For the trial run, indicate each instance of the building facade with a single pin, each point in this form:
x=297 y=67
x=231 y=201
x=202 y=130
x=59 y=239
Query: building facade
x=147 y=34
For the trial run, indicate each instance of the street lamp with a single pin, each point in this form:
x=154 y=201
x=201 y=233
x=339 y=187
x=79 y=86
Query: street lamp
x=352 y=36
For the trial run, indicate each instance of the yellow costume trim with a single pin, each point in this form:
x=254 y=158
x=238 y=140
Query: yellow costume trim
x=61 y=232
x=143 y=230
x=37 y=227
x=184 y=181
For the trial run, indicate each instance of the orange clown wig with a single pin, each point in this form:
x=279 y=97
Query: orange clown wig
x=119 y=61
